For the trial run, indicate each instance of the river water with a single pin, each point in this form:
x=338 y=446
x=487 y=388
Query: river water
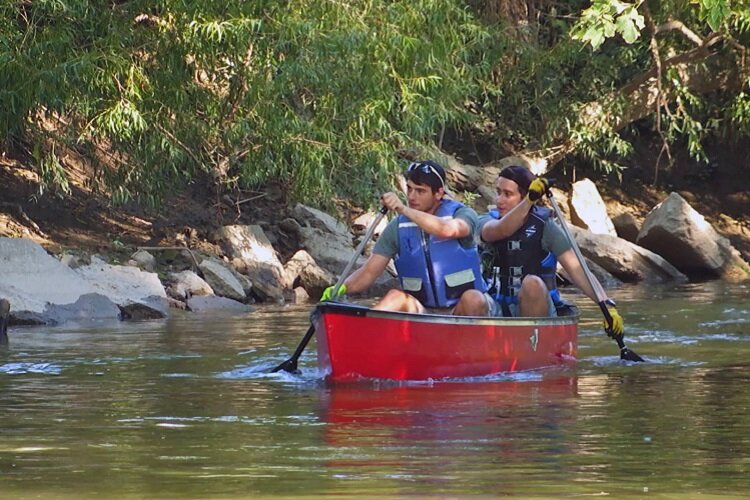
x=186 y=408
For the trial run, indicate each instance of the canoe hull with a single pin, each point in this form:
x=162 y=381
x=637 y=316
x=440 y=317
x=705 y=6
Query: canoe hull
x=357 y=342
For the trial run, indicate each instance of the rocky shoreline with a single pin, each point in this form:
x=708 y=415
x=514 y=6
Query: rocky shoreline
x=674 y=242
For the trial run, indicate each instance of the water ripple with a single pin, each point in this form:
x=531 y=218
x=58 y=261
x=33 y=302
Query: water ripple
x=25 y=368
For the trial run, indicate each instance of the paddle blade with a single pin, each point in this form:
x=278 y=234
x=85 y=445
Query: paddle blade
x=290 y=365
x=629 y=355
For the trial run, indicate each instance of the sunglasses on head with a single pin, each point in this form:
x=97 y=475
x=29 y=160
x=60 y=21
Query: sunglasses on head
x=426 y=168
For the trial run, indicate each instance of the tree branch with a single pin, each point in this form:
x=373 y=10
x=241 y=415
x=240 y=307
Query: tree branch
x=678 y=26
x=642 y=93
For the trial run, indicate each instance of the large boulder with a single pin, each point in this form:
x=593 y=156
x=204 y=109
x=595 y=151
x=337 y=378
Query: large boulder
x=251 y=248
x=604 y=277
x=624 y=260
x=674 y=230
x=222 y=281
x=139 y=294
x=212 y=303
x=302 y=270
x=330 y=244
x=362 y=224
x=185 y=284
x=32 y=279
x=327 y=241
x=588 y=209
x=41 y=289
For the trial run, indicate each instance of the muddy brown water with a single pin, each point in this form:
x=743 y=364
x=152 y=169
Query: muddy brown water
x=186 y=408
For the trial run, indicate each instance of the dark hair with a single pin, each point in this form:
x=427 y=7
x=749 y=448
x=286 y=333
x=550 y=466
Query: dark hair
x=428 y=173
x=520 y=175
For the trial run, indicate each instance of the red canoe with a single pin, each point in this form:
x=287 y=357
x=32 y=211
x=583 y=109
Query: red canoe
x=359 y=342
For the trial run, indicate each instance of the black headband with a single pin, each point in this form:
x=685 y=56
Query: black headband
x=520 y=175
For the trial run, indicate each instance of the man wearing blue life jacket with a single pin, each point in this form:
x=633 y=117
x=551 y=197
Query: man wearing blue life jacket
x=432 y=242
x=522 y=247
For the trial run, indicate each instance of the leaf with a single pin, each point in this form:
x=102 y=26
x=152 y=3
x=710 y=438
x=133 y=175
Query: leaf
x=629 y=24
x=594 y=36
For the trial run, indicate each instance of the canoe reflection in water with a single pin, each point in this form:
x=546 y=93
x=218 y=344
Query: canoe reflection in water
x=418 y=430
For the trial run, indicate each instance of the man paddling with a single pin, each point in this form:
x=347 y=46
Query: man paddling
x=432 y=242
x=524 y=245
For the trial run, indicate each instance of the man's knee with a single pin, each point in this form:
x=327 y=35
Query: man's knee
x=533 y=287
x=398 y=300
x=533 y=297
x=472 y=303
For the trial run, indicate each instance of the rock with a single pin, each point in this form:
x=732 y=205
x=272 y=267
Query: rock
x=362 y=223
x=186 y=284
x=674 y=230
x=300 y=296
x=213 y=303
x=312 y=217
x=128 y=287
x=177 y=304
x=261 y=264
x=332 y=251
x=221 y=280
x=605 y=278
x=626 y=226
x=144 y=260
x=72 y=261
x=303 y=269
x=562 y=200
x=32 y=279
x=238 y=269
x=624 y=260
x=88 y=306
x=588 y=209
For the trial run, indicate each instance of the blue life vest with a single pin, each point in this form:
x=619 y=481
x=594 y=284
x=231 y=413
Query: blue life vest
x=512 y=258
x=436 y=271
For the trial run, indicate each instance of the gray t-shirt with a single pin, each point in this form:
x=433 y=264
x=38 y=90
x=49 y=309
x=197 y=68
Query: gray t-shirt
x=387 y=244
x=553 y=237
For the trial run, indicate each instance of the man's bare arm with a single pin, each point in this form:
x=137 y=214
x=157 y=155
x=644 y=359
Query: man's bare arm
x=432 y=224
x=361 y=279
x=499 y=229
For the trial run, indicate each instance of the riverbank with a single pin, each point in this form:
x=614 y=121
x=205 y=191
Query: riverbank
x=85 y=222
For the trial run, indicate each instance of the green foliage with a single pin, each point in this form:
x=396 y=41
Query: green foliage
x=53 y=175
x=318 y=94
x=607 y=18
x=714 y=12
x=560 y=91
x=687 y=117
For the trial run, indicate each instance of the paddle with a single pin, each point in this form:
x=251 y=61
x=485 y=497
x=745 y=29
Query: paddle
x=290 y=365
x=601 y=296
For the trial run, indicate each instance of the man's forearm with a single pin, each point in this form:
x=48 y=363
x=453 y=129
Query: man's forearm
x=508 y=224
x=436 y=226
